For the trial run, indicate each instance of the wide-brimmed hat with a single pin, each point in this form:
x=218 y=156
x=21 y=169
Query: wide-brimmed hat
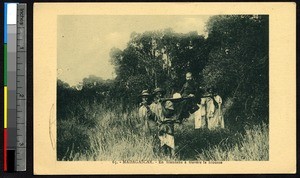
x=177 y=96
x=145 y=93
x=159 y=90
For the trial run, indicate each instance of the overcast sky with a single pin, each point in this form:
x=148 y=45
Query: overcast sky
x=84 y=42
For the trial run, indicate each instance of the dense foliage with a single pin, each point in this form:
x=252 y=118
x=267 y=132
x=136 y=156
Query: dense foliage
x=238 y=65
x=233 y=58
x=159 y=59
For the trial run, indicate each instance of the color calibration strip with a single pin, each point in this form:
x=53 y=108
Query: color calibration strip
x=14 y=87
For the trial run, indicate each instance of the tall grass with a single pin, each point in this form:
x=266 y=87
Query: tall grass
x=104 y=135
x=254 y=146
x=98 y=132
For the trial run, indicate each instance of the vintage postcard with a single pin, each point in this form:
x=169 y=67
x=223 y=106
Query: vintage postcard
x=164 y=88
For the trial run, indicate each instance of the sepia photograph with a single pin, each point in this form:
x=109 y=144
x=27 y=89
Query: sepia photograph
x=142 y=88
x=164 y=88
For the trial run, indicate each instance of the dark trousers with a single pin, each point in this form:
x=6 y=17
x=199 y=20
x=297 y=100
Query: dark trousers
x=188 y=107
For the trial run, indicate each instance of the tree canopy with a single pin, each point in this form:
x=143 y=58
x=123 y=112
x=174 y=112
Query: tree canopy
x=234 y=59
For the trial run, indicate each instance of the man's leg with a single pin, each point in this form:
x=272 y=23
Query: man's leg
x=192 y=105
x=172 y=151
x=184 y=111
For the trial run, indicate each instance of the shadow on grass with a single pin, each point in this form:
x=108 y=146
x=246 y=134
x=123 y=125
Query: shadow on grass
x=190 y=142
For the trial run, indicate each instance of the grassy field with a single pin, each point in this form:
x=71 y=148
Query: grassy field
x=99 y=133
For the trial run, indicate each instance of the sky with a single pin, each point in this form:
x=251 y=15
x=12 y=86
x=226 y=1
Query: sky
x=84 y=41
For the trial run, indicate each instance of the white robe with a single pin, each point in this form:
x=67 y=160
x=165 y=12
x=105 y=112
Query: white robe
x=215 y=117
x=200 y=115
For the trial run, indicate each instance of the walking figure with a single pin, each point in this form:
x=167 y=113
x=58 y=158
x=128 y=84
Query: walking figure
x=164 y=114
x=215 y=117
x=145 y=113
x=200 y=114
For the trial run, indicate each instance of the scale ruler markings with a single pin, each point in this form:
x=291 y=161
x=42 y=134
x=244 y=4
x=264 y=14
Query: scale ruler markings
x=15 y=94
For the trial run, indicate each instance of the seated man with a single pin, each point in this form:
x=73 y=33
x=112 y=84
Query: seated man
x=189 y=87
x=188 y=91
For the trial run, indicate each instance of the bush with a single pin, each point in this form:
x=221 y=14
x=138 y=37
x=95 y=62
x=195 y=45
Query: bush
x=74 y=133
x=238 y=66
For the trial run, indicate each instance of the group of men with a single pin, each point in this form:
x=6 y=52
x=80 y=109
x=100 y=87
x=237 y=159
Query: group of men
x=160 y=115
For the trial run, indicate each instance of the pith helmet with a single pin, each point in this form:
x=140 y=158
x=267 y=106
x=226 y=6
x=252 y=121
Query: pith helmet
x=145 y=93
x=176 y=95
x=159 y=90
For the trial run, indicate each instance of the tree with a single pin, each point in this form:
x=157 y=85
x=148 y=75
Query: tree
x=238 y=63
x=158 y=59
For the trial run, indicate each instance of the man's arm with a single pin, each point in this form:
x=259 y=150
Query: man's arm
x=183 y=88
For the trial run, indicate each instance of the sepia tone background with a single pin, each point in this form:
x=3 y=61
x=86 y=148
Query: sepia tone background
x=84 y=41
x=227 y=52
x=280 y=73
